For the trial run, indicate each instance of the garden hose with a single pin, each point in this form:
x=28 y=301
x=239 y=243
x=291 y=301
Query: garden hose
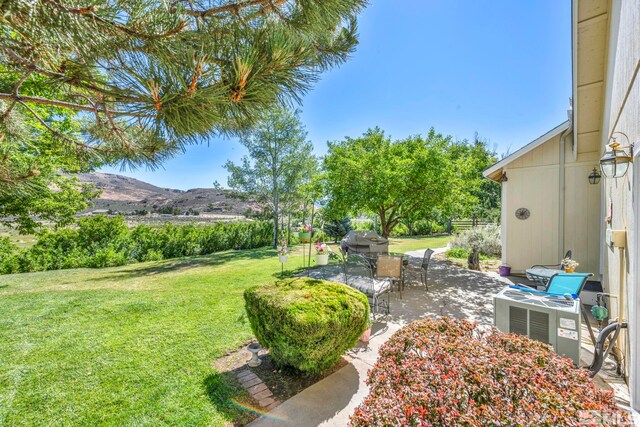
x=600 y=353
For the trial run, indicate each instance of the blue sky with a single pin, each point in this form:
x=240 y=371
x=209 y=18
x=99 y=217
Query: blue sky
x=499 y=67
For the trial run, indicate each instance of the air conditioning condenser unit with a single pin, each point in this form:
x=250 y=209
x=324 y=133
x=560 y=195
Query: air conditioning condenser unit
x=553 y=320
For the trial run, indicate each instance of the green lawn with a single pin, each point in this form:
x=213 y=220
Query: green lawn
x=131 y=345
x=406 y=244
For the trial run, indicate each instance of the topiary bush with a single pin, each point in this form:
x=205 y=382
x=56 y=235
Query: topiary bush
x=445 y=372
x=306 y=323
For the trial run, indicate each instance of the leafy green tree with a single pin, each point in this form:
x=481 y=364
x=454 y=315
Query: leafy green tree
x=391 y=179
x=478 y=196
x=338 y=228
x=279 y=153
x=148 y=77
x=488 y=192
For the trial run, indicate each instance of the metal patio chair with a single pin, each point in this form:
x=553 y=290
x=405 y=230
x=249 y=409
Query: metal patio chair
x=358 y=274
x=569 y=254
x=389 y=267
x=419 y=267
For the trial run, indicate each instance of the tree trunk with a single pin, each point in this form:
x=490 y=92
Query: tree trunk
x=289 y=227
x=311 y=237
x=383 y=224
x=304 y=212
x=276 y=218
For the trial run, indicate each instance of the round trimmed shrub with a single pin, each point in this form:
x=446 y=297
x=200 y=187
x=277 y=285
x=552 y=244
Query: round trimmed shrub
x=307 y=323
x=445 y=372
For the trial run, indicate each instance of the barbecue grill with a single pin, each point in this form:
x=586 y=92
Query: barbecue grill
x=364 y=242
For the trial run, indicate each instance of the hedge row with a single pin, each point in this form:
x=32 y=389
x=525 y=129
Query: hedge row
x=102 y=241
x=444 y=372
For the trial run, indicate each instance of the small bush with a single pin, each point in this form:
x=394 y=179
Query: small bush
x=486 y=238
x=399 y=230
x=422 y=227
x=437 y=228
x=445 y=372
x=8 y=258
x=306 y=323
x=457 y=253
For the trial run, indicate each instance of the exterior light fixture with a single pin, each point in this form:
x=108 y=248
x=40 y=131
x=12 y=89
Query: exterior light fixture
x=504 y=178
x=594 y=177
x=615 y=163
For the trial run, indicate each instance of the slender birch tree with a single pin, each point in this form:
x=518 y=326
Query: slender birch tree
x=279 y=154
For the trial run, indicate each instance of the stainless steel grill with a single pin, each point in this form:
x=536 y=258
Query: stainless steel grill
x=364 y=242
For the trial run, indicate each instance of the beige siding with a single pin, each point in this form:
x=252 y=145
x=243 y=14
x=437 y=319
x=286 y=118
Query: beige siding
x=535 y=240
x=582 y=217
x=544 y=155
x=623 y=115
x=534 y=183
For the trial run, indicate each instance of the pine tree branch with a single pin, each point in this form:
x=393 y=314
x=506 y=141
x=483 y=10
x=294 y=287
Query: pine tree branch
x=16 y=89
x=60 y=135
x=89 y=13
x=32 y=66
x=64 y=104
x=266 y=6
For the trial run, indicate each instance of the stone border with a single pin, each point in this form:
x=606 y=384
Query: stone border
x=257 y=389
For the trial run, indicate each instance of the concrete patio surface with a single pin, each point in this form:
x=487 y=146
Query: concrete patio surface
x=453 y=292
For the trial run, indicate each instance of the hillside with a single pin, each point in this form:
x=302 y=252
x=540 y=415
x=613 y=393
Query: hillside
x=127 y=195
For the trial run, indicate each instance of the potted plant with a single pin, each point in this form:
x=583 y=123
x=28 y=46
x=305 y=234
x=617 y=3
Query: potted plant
x=322 y=254
x=283 y=251
x=504 y=270
x=305 y=233
x=569 y=265
x=366 y=335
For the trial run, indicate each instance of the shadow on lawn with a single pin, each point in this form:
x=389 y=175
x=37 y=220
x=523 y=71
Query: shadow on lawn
x=229 y=398
x=187 y=263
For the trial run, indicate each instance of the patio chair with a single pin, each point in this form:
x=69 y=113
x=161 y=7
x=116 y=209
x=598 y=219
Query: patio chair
x=566 y=283
x=418 y=267
x=390 y=267
x=555 y=266
x=358 y=274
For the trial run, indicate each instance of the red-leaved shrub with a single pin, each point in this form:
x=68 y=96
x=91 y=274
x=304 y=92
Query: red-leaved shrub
x=445 y=372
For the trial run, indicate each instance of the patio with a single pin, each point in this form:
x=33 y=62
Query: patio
x=453 y=292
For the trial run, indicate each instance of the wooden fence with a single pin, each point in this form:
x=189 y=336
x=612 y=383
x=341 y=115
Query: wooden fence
x=466 y=224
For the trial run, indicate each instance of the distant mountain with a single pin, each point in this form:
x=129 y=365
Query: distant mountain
x=126 y=195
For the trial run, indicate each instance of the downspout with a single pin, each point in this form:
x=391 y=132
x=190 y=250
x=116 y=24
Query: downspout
x=561 y=191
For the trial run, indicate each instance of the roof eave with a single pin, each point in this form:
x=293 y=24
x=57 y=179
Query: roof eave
x=495 y=172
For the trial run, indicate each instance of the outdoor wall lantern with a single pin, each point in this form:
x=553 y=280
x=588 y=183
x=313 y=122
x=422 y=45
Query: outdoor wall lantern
x=615 y=163
x=504 y=178
x=594 y=177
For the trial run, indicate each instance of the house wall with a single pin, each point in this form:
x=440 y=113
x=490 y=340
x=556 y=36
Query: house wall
x=534 y=183
x=622 y=114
